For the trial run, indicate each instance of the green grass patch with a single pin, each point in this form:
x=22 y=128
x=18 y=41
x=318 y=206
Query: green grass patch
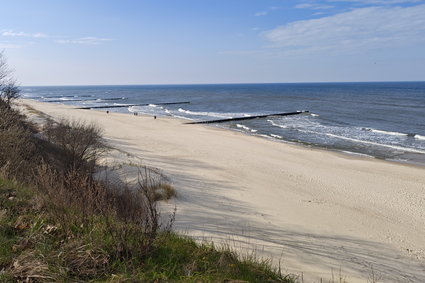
x=179 y=258
x=34 y=247
x=13 y=205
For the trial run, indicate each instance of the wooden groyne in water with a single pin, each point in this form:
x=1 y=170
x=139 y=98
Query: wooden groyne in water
x=249 y=117
x=129 y=105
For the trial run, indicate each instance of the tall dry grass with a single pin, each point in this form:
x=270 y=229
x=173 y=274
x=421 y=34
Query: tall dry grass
x=127 y=217
x=19 y=151
x=59 y=163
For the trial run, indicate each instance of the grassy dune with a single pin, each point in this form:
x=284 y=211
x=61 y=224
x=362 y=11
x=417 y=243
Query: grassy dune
x=57 y=223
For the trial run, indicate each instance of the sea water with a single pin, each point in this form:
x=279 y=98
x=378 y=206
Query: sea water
x=382 y=120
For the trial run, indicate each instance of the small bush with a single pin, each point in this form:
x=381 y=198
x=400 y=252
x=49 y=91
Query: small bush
x=8 y=89
x=127 y=218
x=81 y=144
x=163 y=191
x=19 y=151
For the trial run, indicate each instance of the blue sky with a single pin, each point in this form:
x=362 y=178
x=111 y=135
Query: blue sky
x=89 y=42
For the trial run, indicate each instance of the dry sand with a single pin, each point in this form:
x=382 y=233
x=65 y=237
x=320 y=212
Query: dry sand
x=316 y=212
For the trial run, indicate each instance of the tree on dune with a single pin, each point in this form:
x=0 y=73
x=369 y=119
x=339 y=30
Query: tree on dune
x=8 y=88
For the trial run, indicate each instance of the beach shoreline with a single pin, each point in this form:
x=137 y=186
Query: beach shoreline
x=183 y=120
x=336 y=120
x=313 y=210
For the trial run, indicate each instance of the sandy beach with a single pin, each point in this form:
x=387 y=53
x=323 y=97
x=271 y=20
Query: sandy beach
x=318 y=213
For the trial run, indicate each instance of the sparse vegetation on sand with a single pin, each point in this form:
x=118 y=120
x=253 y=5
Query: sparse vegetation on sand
x=58 y=223
x=36 y=245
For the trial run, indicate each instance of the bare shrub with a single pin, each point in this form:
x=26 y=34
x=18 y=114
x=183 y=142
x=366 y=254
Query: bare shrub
x=81 y=144
x=163 y=191
x=138 y=225
x=8 y=89
x=9 y=92
x=72 y=197
x=19 y=151
x=16 y=149
x=125 y=220
x=9 y=117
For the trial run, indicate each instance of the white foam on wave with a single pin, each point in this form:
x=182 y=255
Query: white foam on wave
x=314 y=115
x=384 y=132
x=243 y=127
x=276 y=136
x=212 y=114
x=418 y=137
x=401 y=148
x=277 y=125
x=181 y=117
x=153 y=105
x=246 y=128
x=176 y=116
x=406 y=149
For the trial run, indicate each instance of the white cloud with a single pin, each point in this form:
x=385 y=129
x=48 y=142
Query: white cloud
x=362 y=28
x=262 y=13
x=90 y=40
x=314 y=6
x=23 y=34
x=266 y=12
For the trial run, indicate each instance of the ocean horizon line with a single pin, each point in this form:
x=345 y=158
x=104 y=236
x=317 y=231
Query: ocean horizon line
x=224 y=84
